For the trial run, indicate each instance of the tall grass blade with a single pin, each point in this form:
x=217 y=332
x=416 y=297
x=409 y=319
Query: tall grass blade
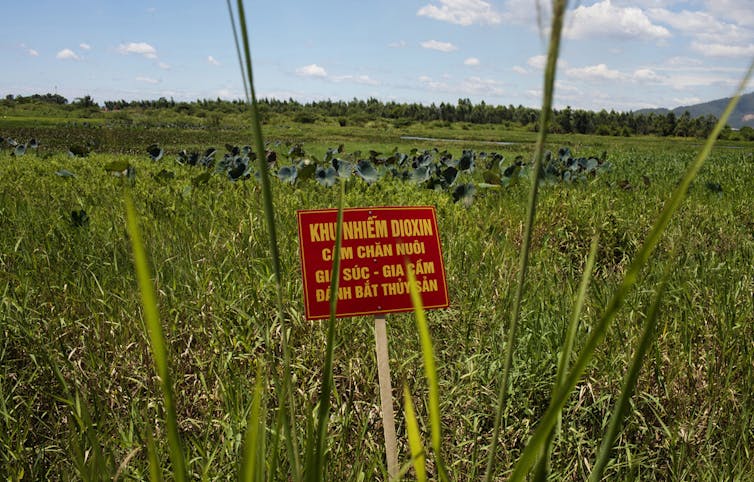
x=238 y=52
x=269 y=213
x=81 y=413
x=629 y=384
x=559 y=8
x=414 y=438
x=548 y=420
x=155 y=470
x=156 y=339
x=252 y=463
x=542 y=469
x=272 y=460
x=315 y=467
x=430 y=371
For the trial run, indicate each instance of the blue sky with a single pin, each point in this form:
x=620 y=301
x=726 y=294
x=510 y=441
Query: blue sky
x=617 y=54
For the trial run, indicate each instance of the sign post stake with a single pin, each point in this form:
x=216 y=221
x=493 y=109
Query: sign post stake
x=386 y=396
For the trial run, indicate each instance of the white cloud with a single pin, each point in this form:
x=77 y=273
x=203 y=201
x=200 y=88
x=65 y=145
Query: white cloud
x=540 y=61
x=519 y=70
x=140 y=48
x=85 y=46
x=397 y=45
x=461 y=12
x=711 y=35
x=67 y=54
x=213 y=60
x=471 y=61
x=356 y=79
x=439 y=46
x=646 y=75
x=681 y=101
x=594 y=72
x=163 y=65
x=434 y=85
x=739 y=11
x=311 y=70
x=603 y=19
x=228 y=94
x=679 y=61
x=525 y=12
x=537 y=62
x=33 y=53
x=148 y=80
x=480 y=86
x=646 y=3
x=471 y=86
x=679 y=78
x=723 y=50
x=314 y=70
x=685 y=20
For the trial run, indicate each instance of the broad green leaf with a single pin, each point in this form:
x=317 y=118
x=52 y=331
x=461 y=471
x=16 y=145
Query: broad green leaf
x=366 y=171
x=344 y=168
x=155 y=152
x=287 y=174
x=79 y=217
x=306 y=169
x=449 y=175
x=77 y=150
x=466 y=163
x=326 y=176
x=464 y=193
x=65 y=173
x=420 y=174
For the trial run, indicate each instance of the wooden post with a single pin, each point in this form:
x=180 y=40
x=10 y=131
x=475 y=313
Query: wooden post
x=386 y=396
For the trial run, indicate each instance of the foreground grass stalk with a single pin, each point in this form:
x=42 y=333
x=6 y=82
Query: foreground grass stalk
x=430 y=371
x=238 y=52
x=543 y=466
x=629 y=384
x=156 y=339
x=548 y=420
x=80 y=412
x=315 y=468
x=269 y=213
x=559 y=7
x=252 y=462
x=414 y=438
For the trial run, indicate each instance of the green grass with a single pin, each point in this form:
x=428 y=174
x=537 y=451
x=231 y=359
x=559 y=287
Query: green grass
x=69 y=299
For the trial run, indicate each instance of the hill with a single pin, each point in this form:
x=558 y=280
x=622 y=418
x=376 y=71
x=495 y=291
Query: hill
x=743 y=115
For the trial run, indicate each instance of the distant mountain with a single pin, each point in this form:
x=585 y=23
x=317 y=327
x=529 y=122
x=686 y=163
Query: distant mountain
x=743 y=115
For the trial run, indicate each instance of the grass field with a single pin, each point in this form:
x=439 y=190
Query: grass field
x=78 y=394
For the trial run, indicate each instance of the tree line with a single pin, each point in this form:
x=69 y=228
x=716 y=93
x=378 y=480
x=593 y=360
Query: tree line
x=358 y=111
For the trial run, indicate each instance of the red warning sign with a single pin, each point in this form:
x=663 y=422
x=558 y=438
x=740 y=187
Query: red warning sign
x=378 y=245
